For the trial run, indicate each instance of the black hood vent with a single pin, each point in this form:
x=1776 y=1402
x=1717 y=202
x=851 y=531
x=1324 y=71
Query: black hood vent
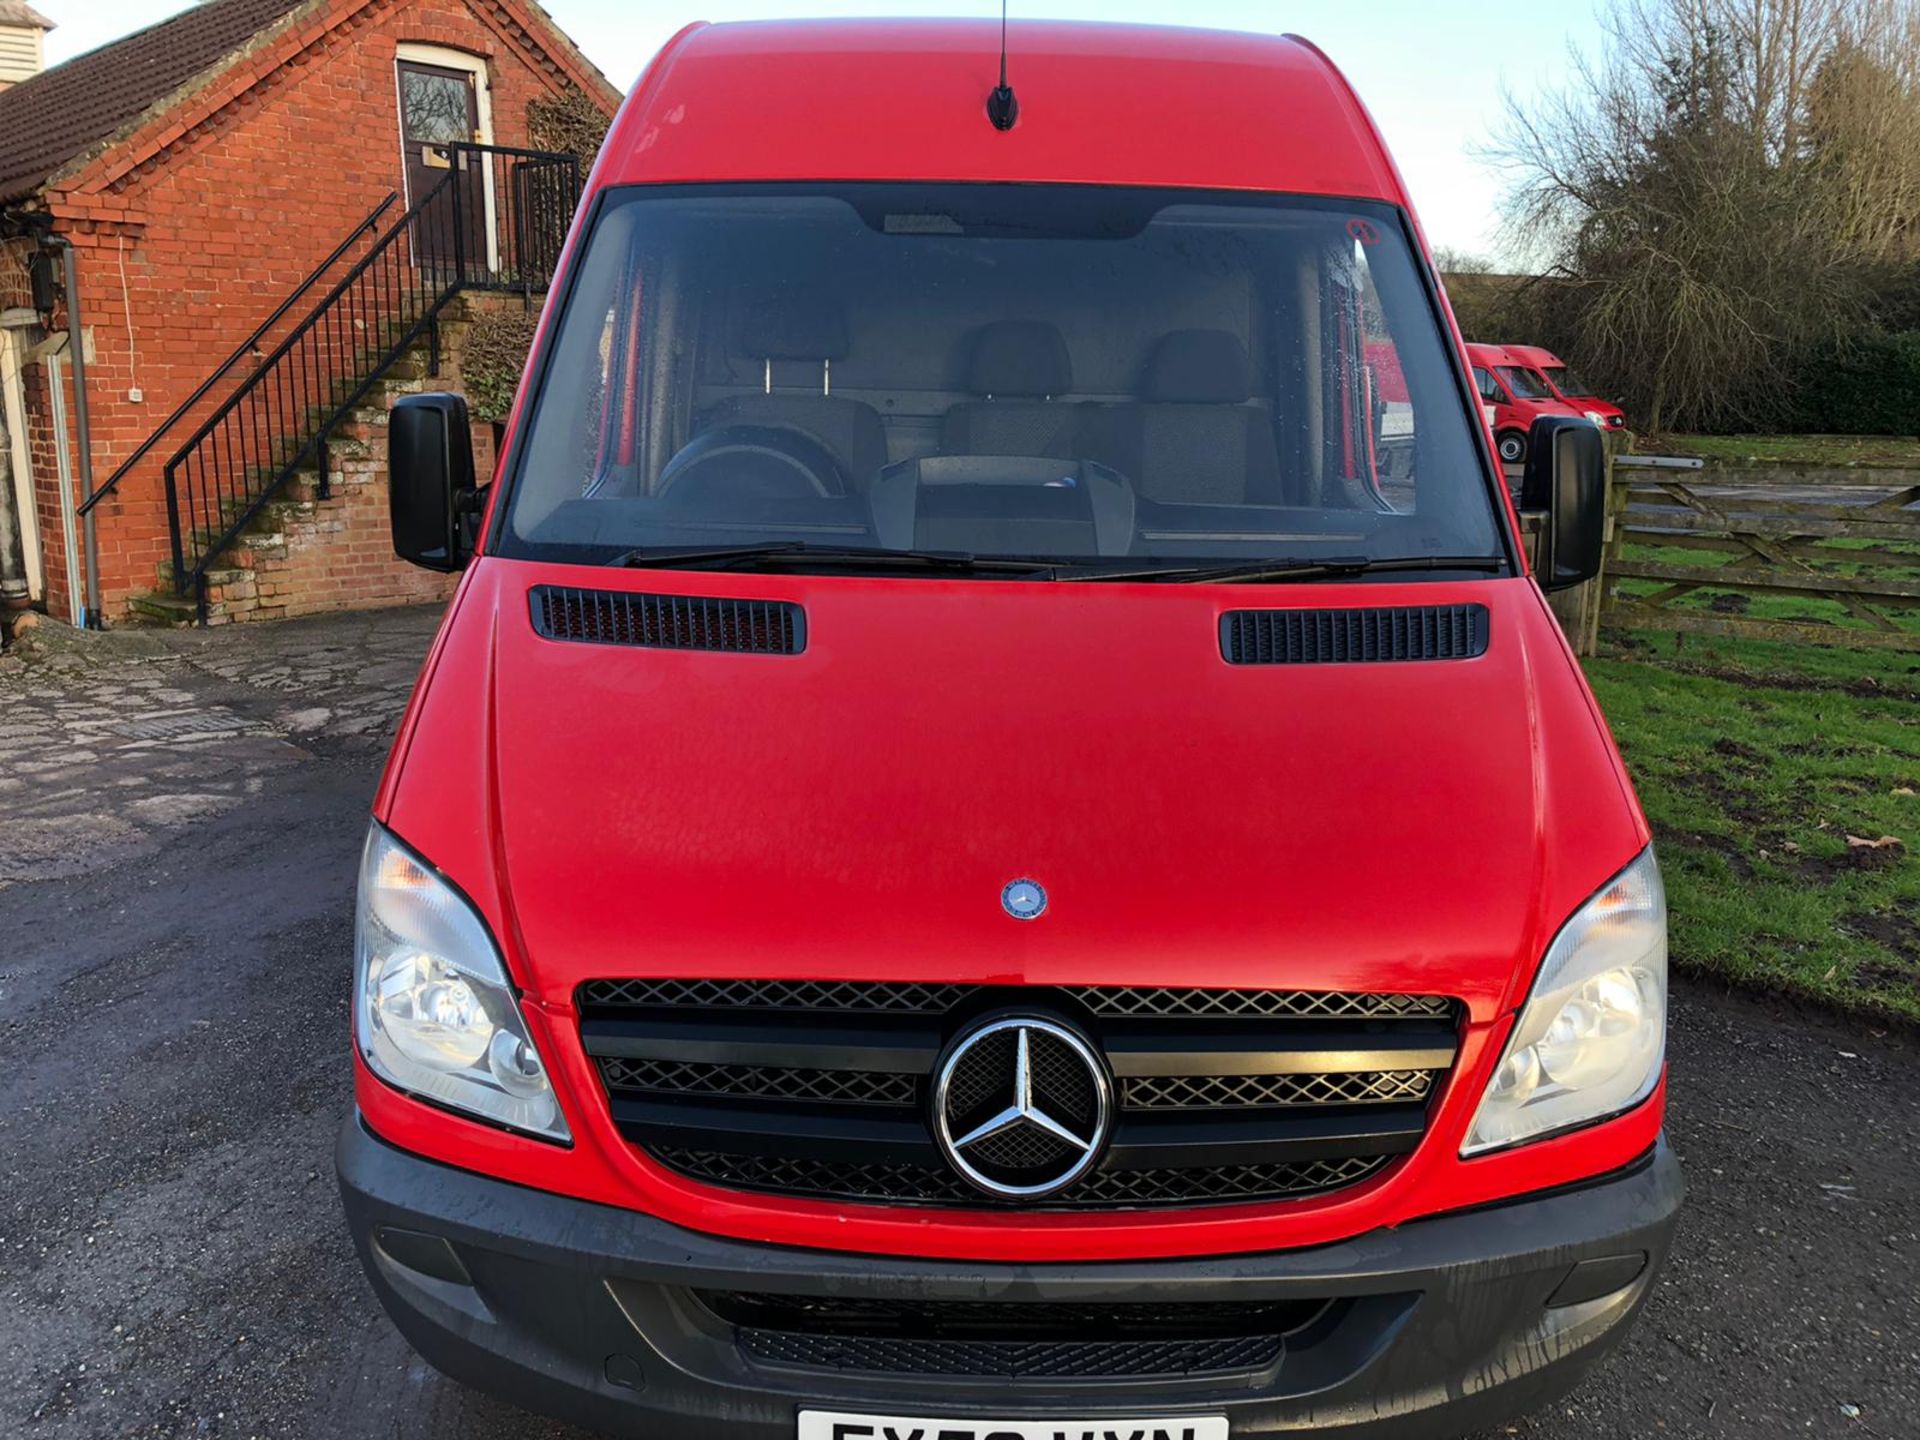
x=669 y=622
x=1331 y=637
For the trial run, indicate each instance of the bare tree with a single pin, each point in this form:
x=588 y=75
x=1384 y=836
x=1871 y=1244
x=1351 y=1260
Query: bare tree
x=1863 y=133
x=1450 y=261
x=1720 y=195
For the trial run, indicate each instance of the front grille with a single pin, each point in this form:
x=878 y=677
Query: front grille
x=814 y=995
x=908 y=998
x=878 y=1181
x=772 y=1082
x=1011 y=1340
x=1370 y=1087
x=824 y=1089
x=1227 y=1184
x=1013 y=1360
x=903 y=1184
x=1260 y=1004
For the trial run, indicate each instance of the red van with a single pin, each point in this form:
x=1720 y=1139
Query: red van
x=997 y=841
x=1516 y=394
x=1569 y=387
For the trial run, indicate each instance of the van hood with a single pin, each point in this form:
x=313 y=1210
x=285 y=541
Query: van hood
x=856 y=811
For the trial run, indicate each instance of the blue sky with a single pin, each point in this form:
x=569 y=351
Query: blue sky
x=1432 y=71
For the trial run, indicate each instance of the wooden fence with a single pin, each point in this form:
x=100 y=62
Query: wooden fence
x=1829 y=555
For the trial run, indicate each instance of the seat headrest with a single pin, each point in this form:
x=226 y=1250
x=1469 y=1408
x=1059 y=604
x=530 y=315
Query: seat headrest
x=1191 y=367
x=790 y=323
x=1019 y=359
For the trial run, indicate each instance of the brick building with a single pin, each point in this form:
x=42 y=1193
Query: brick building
x=180 y=187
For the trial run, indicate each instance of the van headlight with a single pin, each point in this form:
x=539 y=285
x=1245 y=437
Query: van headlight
x=433 y=1012
x=1592 y=1037
x=1597 y=418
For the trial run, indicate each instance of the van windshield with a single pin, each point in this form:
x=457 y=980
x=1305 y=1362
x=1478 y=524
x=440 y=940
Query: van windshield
x=1091 y=376
x=1571 y=385
x=1525 y=383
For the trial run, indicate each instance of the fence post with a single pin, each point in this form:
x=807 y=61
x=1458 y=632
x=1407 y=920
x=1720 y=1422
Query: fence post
x=1614 y=535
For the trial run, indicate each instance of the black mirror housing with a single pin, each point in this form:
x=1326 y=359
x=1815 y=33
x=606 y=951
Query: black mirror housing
x=430 y=480
x=1566 y=476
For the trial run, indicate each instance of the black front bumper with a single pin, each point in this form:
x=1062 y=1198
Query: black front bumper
x=590 y=1313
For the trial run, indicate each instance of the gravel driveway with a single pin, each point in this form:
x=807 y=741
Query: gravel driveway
x=179 y=821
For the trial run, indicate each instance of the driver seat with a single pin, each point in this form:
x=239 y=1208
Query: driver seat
x=795 y=335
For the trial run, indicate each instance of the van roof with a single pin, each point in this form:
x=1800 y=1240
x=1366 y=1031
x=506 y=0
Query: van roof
x=906 y=100
x=1538 y=356
x=1495 y=355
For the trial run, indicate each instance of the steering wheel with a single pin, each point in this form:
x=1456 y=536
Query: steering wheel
x=754 y=462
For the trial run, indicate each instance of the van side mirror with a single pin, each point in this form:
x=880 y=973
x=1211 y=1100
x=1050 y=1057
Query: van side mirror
x=430 y=480
x=1566 y=476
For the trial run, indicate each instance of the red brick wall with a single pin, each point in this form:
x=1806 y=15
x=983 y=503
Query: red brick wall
x=314 y=555
x=216 y=227
x=16 y=291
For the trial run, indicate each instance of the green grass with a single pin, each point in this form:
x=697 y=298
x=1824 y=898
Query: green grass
x=1831 y=557
x=1756 y=761
x=1789 y=449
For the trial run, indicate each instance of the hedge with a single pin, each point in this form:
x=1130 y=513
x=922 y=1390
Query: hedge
x=1870 y=387
x=571 y=122
x=495 y=354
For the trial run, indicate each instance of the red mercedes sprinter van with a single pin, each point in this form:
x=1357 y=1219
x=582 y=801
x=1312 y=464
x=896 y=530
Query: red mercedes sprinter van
x=1517 y=395
x=1570 y=387
x=985 y=849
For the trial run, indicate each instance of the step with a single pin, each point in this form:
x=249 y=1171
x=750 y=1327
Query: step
x=263 y=529
x=347 y=446
x=300 y=487
x=224 y=575
x=232 y=510
x=166 y=607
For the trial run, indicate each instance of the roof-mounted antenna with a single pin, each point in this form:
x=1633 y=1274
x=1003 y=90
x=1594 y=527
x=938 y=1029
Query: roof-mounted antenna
x=1002 y=108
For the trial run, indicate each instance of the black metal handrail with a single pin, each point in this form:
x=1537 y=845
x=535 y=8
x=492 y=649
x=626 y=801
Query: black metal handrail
x=494 y=221
x=245 y=347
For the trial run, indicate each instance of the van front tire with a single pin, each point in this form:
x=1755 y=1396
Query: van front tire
x=1512 y=445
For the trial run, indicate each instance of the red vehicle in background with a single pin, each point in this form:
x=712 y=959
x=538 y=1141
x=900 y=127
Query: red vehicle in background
x=1571 y=388
x=1517 y=395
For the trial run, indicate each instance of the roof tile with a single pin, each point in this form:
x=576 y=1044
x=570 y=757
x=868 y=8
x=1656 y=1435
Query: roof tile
x=60 y=114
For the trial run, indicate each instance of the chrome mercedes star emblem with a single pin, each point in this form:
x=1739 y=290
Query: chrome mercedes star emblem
x=1021 y=1107
x=1024 y=899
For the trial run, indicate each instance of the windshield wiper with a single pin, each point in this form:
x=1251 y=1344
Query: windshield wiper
x=666 y=557
x=1333 y=568
x=837 y=556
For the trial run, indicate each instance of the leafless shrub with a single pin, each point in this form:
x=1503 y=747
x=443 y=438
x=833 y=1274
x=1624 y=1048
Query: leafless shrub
x=1731 y=187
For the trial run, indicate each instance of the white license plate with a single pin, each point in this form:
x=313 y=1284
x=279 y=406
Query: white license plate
x=832 y=1425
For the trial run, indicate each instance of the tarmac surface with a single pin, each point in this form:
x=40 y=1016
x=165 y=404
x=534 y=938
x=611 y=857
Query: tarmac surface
x=180 y=817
